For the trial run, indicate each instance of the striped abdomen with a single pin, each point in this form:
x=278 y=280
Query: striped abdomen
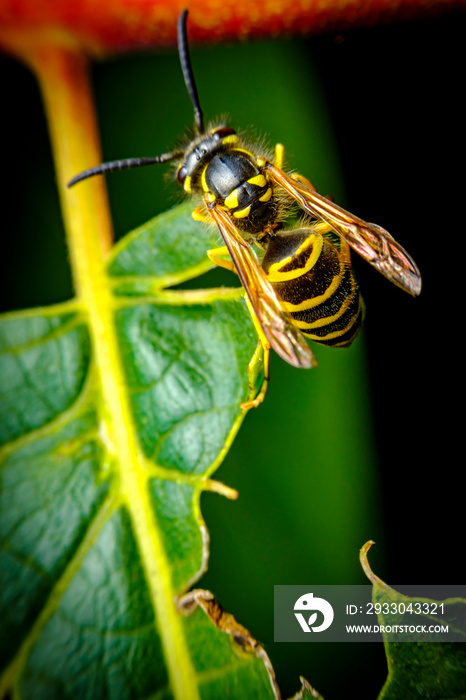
x=315 y=285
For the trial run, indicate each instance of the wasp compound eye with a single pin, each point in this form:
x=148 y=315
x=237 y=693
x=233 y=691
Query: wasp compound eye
x=181 y=174
x=223 y=132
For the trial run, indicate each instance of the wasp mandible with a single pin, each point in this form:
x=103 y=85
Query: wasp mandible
x=303 y=285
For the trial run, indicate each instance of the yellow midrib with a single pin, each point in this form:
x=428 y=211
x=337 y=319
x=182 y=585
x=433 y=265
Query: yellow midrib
x=64 y=82
x=134 y=487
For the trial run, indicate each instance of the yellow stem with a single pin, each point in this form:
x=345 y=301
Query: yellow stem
x=63 y=77
x=64 y=82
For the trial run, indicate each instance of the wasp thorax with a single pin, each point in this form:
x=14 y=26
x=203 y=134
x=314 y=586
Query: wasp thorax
x=229 y=171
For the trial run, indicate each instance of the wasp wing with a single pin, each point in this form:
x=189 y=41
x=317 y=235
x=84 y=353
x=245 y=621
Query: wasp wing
x=274 y=322
x=372 y=242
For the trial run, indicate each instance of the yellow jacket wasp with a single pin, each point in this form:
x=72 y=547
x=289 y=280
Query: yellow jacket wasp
x=304 y=285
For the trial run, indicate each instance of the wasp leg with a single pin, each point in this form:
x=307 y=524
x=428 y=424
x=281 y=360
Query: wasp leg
x=278 y=161
x=279 y=155
x=260 y=361
x=304 y=181
x=215 y=254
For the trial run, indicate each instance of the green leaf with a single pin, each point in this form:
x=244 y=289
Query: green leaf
x=100 y=525
x=418 y=668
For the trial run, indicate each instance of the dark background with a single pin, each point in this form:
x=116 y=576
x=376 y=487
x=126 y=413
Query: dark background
x=369 y=445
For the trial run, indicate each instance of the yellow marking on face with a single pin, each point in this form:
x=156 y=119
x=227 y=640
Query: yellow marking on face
x=187 y=184
x=232 y=200
x=242 y=213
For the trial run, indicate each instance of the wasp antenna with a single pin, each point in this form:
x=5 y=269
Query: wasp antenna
x=185 y=59
x=123 y=165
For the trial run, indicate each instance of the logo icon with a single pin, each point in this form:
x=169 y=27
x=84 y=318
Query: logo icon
x=312 y=605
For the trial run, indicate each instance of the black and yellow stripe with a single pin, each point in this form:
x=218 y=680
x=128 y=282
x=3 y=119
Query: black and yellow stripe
x=316 y=286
